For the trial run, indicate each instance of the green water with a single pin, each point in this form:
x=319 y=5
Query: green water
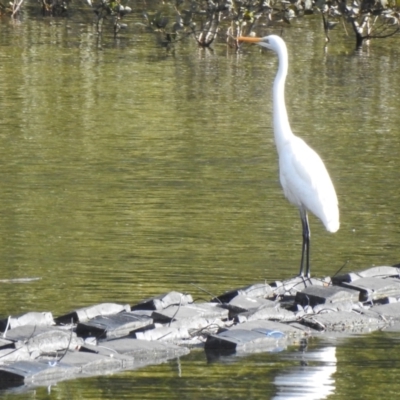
x=128 y=170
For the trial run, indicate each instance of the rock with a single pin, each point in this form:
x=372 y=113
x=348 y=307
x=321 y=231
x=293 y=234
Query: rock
x=11 y=355
x=253 y=291
x=204 y=310
x=86 y=313
x=375 y=272
x=143 y=351
x=345 y=322
x=34 y=373
x=163 y=301
x=372 y=289
x=183 y=331
x=271 y=313
x=113 y=326
x=291 y=286
x=43 y=339
x=314 y=295
x=387 y=312
x=253 y=318
x=244 y=303
x=30 y=318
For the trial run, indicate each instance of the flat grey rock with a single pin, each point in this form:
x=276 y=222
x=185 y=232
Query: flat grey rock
x=240 y=340
x=30 y=318
x=342 y=321
x=291 y=286
x=388 y=312
x=145 y=351
x=164 y=301
x=8 y=355
x=372 y=289
x=125 y=360
x=91 y=363
x=43 y=339
x=182 y=331
x=253 y=336
x=165 y=334
x=244 y=303
x=275 y=326
x=269 y=313
x=314 y=295
x=87 y=313
x=113 y=326
x=306 y=330
x=245 y=341
x=190 y=311
x=374 y=272
x=253 y=291
x=25 y=372
x=334 y=307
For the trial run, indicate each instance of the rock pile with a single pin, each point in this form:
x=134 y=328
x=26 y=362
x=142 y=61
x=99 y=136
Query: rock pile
x=39 y=350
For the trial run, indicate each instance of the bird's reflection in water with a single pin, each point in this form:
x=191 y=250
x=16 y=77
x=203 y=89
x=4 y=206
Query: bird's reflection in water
x=312 y=379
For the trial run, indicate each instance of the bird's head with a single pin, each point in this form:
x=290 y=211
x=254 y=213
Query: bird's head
x=272 y=42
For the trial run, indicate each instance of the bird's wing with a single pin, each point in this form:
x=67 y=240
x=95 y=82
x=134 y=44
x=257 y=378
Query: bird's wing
x=306 y=182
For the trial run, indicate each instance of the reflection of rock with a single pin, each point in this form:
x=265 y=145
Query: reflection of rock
x=312 y=380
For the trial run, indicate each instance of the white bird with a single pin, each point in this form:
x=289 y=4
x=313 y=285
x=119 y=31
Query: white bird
x=303 y=175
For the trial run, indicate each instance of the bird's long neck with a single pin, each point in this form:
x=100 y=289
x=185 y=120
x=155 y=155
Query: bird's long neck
x=282 y=130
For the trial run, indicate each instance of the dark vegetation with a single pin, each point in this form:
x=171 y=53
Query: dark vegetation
x=224 y=20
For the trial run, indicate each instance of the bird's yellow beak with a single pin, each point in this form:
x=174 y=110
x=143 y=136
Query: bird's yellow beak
x=248 y=39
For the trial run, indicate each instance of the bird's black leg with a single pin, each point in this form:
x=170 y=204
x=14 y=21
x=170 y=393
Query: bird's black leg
x=305 y=251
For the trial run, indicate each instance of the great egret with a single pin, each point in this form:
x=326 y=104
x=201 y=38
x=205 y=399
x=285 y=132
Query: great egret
x=303 y=175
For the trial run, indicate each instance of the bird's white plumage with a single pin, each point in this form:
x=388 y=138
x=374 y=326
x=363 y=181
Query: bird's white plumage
x=303 y=175
x=306 y=182
x=304 y=178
